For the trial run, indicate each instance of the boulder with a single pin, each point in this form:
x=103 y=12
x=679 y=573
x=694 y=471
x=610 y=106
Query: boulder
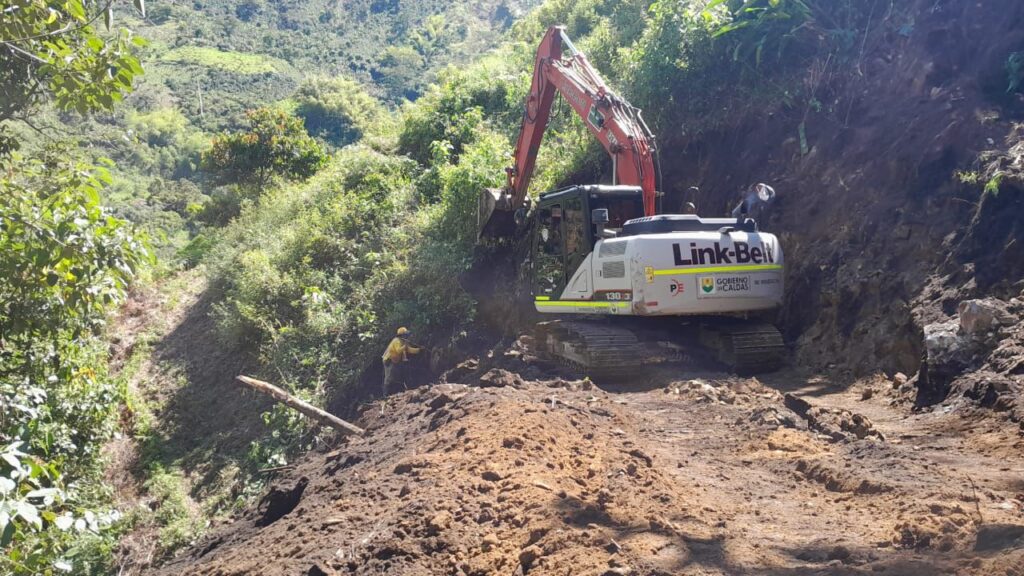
x=979 y=317
x=498 y=378
x=948 y=350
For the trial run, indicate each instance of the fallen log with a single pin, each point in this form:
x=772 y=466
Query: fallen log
x=325 y=418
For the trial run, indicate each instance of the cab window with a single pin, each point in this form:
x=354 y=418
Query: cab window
x=549 y=273
x=577 y=237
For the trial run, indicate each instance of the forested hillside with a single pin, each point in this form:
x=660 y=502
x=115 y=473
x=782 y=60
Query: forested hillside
x=283 y=184
x=207 y=63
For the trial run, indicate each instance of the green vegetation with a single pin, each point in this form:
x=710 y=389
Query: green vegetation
x=50 y=51
x=63 y=263
x=180 y=523
x=237 y=62
x=338 y=110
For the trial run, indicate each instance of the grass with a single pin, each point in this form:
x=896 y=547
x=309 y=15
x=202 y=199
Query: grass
x=181 y=523
x=237 y=62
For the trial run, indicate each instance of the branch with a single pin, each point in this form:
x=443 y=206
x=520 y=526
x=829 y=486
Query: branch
x=38 y=130
x=24 y=53
x=66 y=28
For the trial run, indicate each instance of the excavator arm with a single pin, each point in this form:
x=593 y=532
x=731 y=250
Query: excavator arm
x=561 y=68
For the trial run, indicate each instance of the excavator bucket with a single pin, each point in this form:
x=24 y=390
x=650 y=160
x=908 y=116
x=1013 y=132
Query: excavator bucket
x=495 y=217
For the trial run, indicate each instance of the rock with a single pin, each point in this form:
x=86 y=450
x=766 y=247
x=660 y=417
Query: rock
x=491 y=475
x=979 y=317
x=841 y=553
x=867 y=394
x=529 y=555
x=573 y=385
x=439 y=400
x=618 y=571
x=638 y=453
x=776 y=418
x=439 y=523
x=797 y=404
x=899 y=380
x=461 y=371
x=498 y=378
x=837 y=424
x=490 y=541
x=948 y=352
x=998 y=536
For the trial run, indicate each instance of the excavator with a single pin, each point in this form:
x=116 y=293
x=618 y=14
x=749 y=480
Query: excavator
x=611 y=263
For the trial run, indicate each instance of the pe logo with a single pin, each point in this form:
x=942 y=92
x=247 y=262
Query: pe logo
x=707 y=285
x=676 y=288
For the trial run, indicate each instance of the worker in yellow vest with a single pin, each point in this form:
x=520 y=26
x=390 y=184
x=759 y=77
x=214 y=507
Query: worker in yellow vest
x=397 y=353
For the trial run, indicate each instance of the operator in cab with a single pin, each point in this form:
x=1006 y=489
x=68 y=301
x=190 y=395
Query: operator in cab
x=396 y=354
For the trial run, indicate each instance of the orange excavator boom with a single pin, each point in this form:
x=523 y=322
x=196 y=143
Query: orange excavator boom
x=561 y=68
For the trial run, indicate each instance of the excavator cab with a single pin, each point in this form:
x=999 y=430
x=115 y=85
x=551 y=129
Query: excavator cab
x=566 y=230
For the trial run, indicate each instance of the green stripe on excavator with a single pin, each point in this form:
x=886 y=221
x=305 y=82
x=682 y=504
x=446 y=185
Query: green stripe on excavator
x=582 y=304
x=715 y=269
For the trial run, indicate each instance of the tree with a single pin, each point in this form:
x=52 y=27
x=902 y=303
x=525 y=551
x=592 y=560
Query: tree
x=336 y=109
x=64 y=263
x=276 y=144
x=50 y=50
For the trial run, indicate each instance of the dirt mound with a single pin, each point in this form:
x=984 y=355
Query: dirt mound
x=699 y=473
x=461 y=480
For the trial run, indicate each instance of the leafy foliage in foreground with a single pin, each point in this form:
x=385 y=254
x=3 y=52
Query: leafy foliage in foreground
x=63 y=263
x=52 y=50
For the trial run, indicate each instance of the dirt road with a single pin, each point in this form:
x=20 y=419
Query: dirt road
x=687 y=472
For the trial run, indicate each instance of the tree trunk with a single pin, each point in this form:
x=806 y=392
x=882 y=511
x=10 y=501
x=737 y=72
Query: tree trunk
x=325 y=418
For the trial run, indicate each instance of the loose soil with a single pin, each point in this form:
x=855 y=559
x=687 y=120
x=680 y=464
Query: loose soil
x=518 y=471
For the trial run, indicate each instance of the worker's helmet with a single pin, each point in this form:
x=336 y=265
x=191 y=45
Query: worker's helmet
x=403 y=331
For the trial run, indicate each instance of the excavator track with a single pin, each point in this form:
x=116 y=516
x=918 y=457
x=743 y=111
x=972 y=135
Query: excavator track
x=591 y=349
x=602 y=350
x=745 y=347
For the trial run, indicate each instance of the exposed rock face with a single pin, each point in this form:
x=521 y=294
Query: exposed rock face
x=979 y=357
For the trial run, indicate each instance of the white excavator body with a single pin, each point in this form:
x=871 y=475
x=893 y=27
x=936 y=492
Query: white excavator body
x=674 y=274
